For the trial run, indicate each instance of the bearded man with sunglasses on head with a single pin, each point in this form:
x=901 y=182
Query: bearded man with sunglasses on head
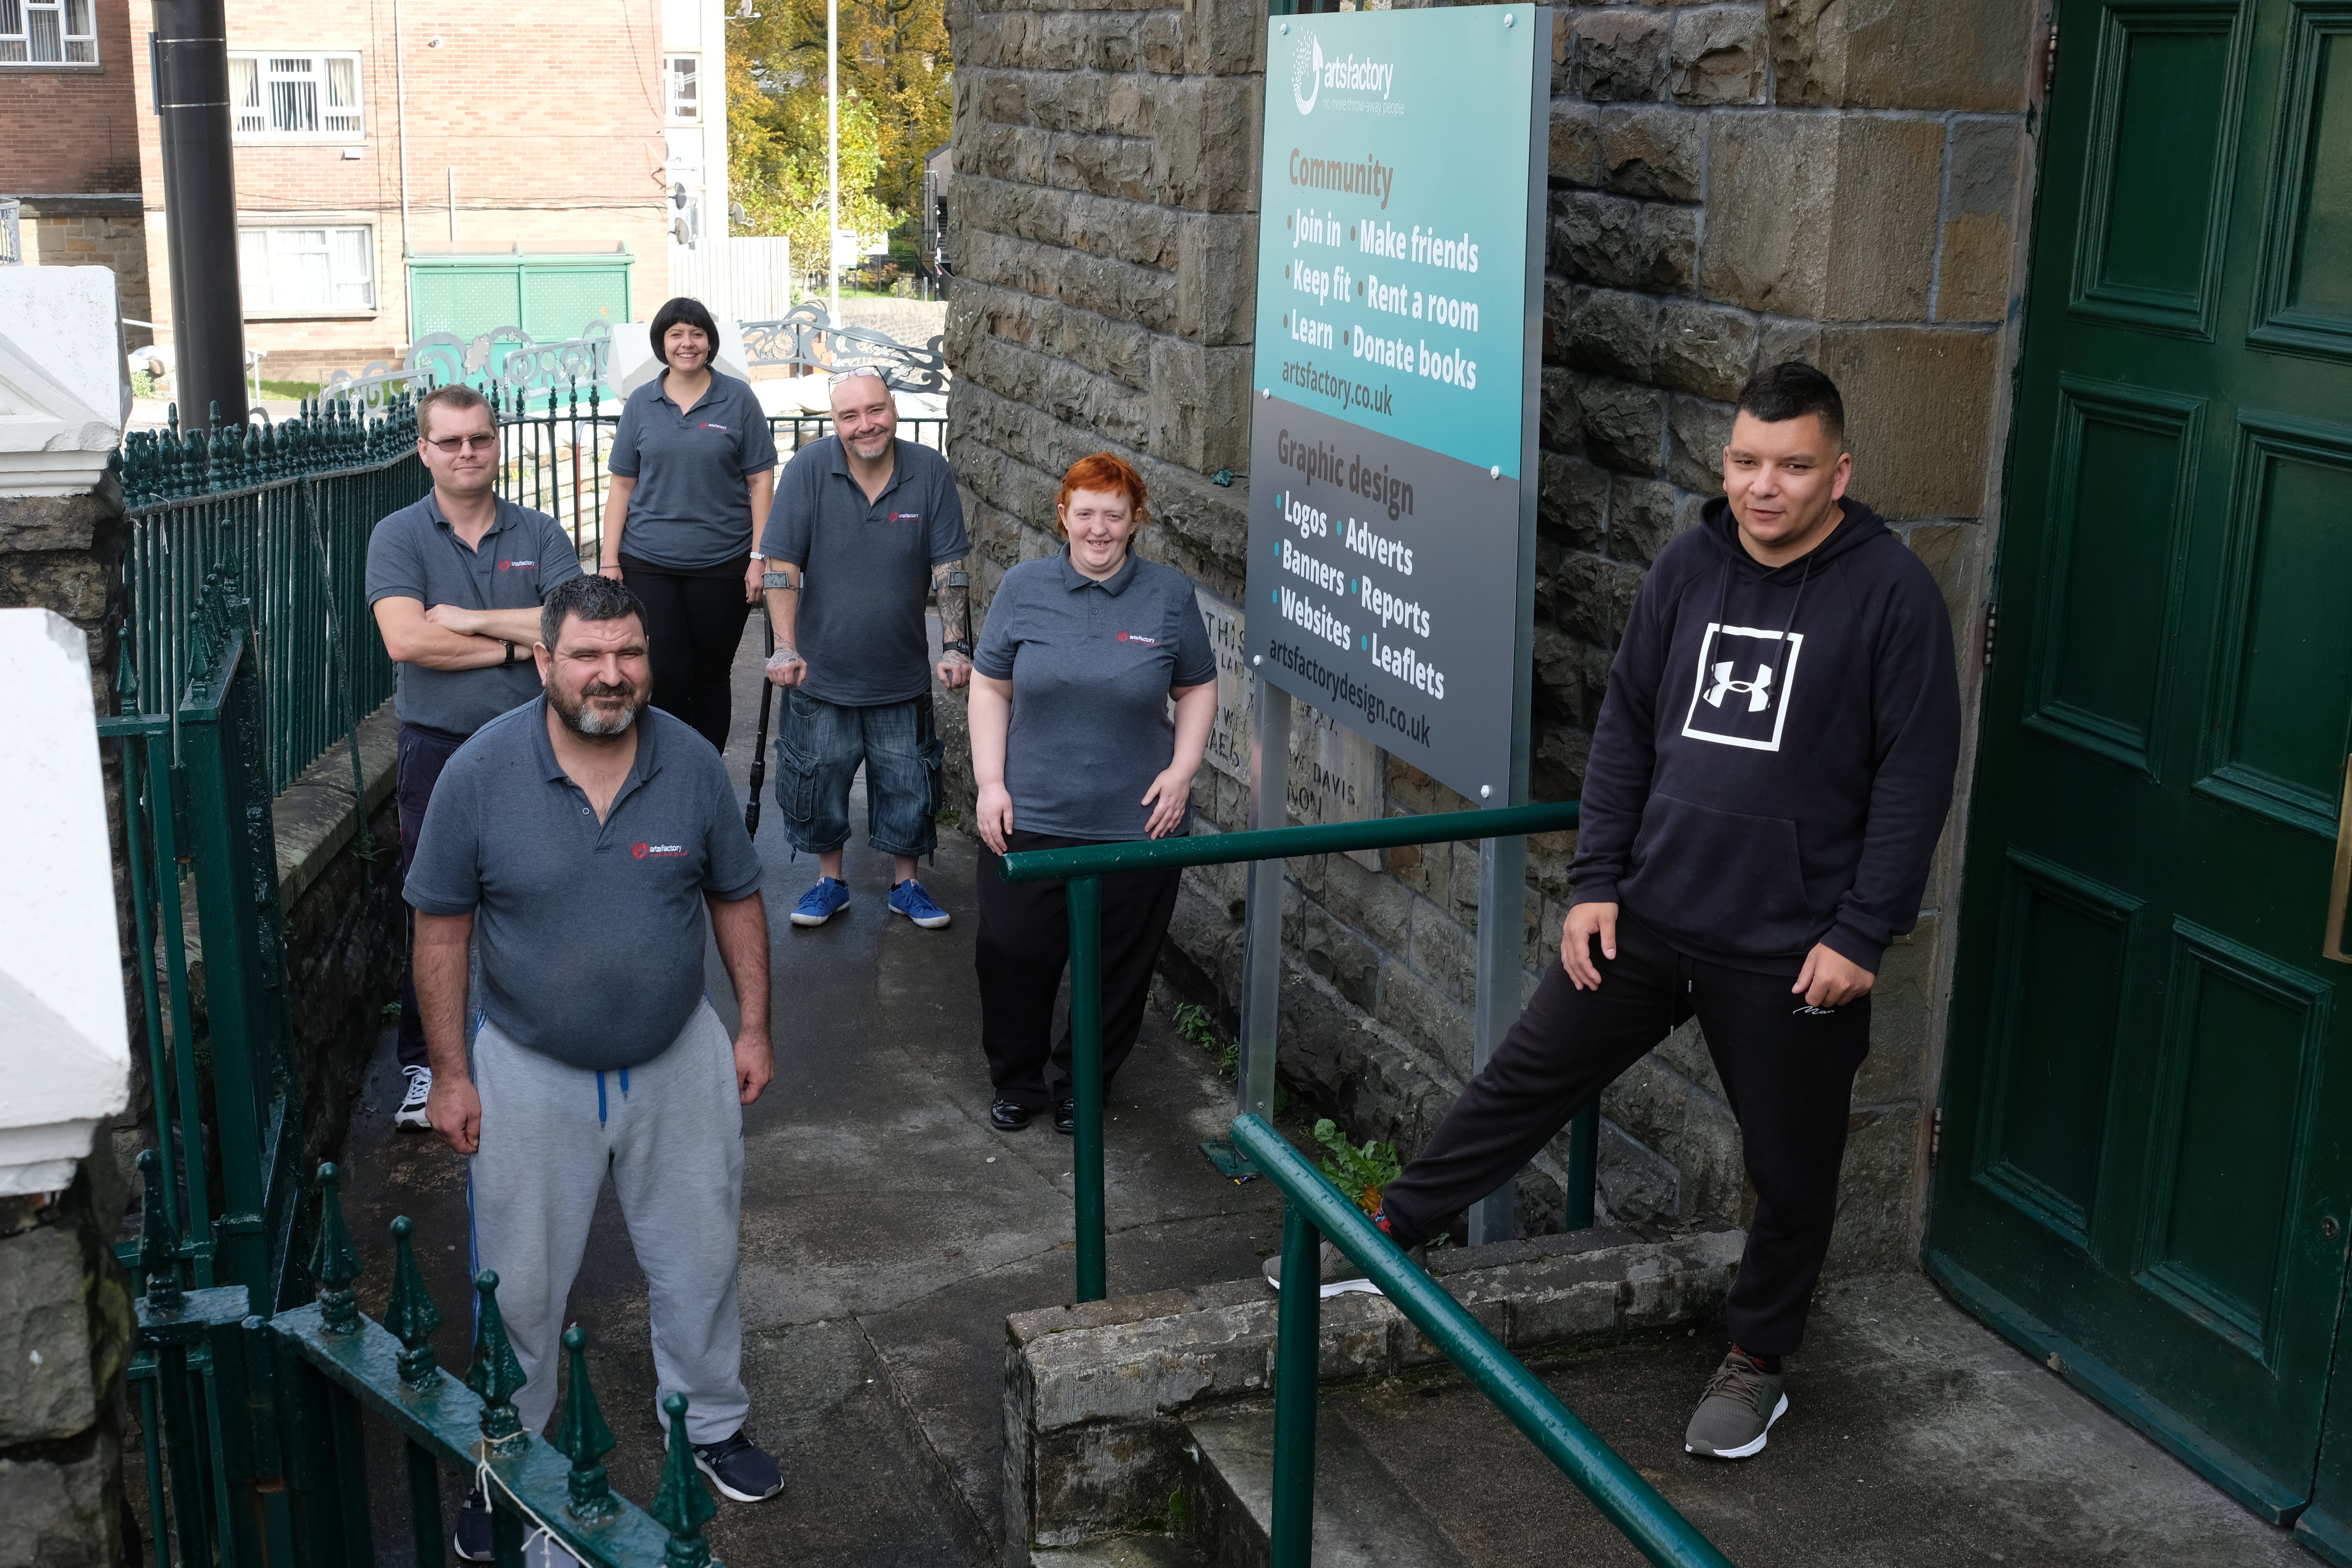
x=455 y=582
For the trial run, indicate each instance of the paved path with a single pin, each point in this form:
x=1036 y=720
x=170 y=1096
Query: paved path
x=888 y=1229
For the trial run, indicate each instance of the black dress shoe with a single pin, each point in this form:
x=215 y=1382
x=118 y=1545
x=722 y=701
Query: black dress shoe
x=1065 y=1116
x=1007 y=1117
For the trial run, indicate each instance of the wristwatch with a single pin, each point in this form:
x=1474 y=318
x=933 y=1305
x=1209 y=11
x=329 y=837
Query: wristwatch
x=962 y=646
x=510 y=658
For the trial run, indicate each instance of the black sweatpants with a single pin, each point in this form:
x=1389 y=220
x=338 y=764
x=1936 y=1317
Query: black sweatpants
x=421 y=756
x=1025 y=944
x=694 y=624
x=1786 y=1068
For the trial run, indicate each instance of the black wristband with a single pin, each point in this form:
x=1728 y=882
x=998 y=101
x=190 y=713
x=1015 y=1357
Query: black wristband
x=509 y=658
x=962 y=646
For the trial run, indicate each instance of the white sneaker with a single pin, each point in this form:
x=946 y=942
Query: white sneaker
x=410 y=1117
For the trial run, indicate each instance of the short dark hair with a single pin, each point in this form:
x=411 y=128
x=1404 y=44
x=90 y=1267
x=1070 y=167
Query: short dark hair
x=1793 y=388
x=457 y=398
x=693 y=313
x=591 y=597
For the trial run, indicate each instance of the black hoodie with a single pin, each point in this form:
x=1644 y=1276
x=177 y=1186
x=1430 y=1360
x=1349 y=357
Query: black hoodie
x=1745 y=805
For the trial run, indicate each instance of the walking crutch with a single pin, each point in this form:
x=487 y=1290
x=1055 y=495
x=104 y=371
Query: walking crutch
x=759 y=753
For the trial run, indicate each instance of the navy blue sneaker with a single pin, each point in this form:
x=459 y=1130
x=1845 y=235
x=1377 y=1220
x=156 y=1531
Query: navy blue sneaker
x=740 y=1468
x=909 y=899
x=821 y=902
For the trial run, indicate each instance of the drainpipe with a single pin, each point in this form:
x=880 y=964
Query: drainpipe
x=832 y=153
x=200 y=209
x=399 y=68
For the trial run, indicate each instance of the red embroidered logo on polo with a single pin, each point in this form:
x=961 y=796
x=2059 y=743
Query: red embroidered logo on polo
x=722 y=429
x=905 y=517
x=516 y=565
x=657 y=851
x=1139 y=636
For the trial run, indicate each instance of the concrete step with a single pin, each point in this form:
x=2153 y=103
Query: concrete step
x=1361 y=1518
x=1122 y=1551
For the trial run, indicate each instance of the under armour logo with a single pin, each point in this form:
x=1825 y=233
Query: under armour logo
x=1772 y=660
x=1759 y=691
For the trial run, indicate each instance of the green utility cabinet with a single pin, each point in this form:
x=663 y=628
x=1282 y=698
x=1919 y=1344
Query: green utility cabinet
x=554 y=297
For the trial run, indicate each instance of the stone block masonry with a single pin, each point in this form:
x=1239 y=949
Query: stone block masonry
x=1730 y=186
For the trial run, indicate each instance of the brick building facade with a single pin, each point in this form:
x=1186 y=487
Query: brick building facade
x=376 y=146
x=1730 y=186
x=69 y=153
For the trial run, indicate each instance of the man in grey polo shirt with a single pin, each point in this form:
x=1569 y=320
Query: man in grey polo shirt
x=455 y=582
x=581 y=839
x=864 y=524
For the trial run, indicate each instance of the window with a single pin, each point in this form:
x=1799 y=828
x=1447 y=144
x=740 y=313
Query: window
x=48 y=32
x=288 y=269
x=685 y=102
x=306 y=96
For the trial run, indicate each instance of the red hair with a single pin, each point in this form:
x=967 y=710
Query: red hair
x=1102 y=472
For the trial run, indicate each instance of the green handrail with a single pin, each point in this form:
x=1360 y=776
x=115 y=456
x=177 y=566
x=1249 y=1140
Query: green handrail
x=1085 y=867
x=1316 y=1212
x=1283 y=842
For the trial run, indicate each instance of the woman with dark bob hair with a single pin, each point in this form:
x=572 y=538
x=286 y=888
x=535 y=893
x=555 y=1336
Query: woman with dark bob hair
x=1072 y=743
x=694 y=469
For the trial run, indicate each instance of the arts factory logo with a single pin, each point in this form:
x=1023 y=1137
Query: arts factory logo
x=1307 y=73
x=657 y=851
x=1311 y=72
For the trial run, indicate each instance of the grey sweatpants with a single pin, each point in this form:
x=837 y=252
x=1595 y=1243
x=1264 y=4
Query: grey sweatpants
x=670 y=1134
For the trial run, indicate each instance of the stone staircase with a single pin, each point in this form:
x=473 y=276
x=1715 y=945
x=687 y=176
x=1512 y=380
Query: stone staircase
x=1914 y=1437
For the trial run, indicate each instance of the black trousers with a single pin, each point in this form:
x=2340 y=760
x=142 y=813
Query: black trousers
x=1786 y=1068
x=694 y=624
x=1025 y=944
x=422 y=755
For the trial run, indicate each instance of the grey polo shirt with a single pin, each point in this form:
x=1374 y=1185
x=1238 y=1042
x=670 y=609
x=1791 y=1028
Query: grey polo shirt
x=1091 y=665
x=592 y=933
x=860 y=622
x=692 y=507
x=415 y=554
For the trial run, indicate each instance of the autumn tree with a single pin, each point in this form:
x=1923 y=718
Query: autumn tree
x=896 y=107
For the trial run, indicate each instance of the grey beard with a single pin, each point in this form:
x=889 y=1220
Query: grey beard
x=582 y=721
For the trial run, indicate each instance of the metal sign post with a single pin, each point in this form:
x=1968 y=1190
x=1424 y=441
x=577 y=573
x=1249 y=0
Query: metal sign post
x=1392 y=443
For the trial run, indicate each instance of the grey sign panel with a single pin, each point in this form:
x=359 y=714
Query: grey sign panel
x=1384 y=589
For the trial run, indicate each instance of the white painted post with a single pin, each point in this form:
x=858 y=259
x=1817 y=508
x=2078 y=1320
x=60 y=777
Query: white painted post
x=65 y=1047
x=65 y=390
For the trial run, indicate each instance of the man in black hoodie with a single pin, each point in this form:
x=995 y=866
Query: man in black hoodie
x=1772 y=765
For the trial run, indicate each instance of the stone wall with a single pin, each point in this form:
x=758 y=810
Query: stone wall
x=94 y=231
x=65 y=1338
x=1731 y=185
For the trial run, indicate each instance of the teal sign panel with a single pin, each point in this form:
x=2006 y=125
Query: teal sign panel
x=1392 y=223
x=1393 y=435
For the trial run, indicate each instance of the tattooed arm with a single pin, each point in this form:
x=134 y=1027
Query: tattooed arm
x=954 y=588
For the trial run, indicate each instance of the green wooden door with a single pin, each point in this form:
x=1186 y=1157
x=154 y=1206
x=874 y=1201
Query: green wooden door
x=2145 y=1166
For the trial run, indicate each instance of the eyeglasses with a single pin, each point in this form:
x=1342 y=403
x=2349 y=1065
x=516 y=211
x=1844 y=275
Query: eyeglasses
x=450 y=445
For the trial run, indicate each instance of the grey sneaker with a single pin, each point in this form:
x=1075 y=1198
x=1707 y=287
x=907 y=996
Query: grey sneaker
x=1736 y=1410
x=1340 y=1276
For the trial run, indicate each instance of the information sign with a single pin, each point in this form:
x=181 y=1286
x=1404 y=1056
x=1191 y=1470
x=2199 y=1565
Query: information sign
x=1392 y=439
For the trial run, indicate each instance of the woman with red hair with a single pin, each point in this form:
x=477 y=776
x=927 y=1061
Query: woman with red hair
x=1072 y=743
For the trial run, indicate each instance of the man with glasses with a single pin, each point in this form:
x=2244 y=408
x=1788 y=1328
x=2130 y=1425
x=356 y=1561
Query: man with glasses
x=455 y=582
x=863 y=526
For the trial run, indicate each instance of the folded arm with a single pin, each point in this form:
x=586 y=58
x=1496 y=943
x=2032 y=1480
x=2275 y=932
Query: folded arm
x=411 y=636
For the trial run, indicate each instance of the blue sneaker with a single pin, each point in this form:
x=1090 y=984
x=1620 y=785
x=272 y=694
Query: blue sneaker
x=821 y=902
x=909 y=900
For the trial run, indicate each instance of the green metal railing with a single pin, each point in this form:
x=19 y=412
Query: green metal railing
x=1316 y=1213
x=288 y=509
x=262 y=1460
x=556 y=446
x=290 y=506
x=1084 y=867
